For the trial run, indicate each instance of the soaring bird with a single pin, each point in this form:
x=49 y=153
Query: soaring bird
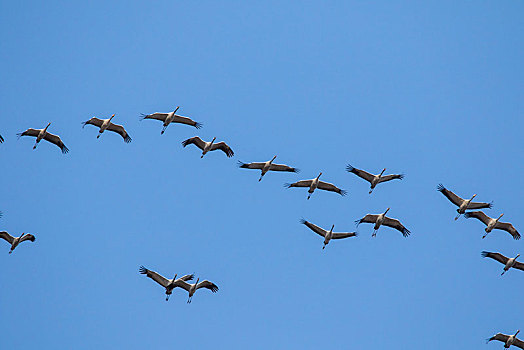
x=14 y=241
x=382 y=219
x=105 y=124
x=192 y=288
x=267 y=166
x=463 y=204
x=508 y=262
x=171 y=117
x=316 y=183
x=508 y=340
x=374 y=180
x=492 y=223
x=42 y=134
x=328 y=235
x=169 y=285
x=209 y=146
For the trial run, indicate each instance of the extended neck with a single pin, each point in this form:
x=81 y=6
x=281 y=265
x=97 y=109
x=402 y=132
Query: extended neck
x=500 y=216
x=111 y=117
x=45 y=129
x=176 y=109
x=386 y=211
x=271 y=161
x=382 y=172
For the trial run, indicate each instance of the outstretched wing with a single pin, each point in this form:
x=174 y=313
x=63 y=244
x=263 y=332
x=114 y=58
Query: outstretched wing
x=223 y=147
x=499 y=336
x=506 y=226
x=29 y=132
x=518 y=343
x=360 y=173
x=197 y=141
x=164 y=282
x=330 y=187
x=450 y=195
x=369 y=218
x=391 y=177
x=394 y=223
x=209 y=285
x=119 y=129
x=27 y=237
x=93 y=121
x=182 y=284
x=157 y=116
x=519 y=265
x=283 y=167
x=314 y=228
x=57 y=141
x=495 y=256
x=258 y=166
x=478 y=215
x=340 y=235
x=185 y=120
x=479 y=205
x=301 y=183
x=187 y=277
x=7 y=237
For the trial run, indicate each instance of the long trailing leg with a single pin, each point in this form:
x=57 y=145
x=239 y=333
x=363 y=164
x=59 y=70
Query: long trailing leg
x=163 y=130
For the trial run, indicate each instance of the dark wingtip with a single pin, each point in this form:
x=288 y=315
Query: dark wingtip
x=490 y=205
x=19 y=135
x=143 y=116
x=401 y=176
x=1 y=139
x=241 y=164
x=64 y=149
x=440 y=187
x=142 y=270
x=349 y=168
x=185 y=143
x=127 y=139
x=343 y=193
x=296 y=170
x=302 y=221
x=198 y=125
x=406 y=232
x=358 y=222
x=287 y=185
x=484 y=254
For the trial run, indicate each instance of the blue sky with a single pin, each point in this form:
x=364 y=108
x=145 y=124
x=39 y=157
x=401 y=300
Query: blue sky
x=431 y=89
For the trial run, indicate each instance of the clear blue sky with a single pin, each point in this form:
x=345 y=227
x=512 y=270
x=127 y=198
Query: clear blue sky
x=433 y=89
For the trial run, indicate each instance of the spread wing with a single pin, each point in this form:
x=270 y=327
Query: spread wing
x=283 y=167
x=157 y=116
x=301 y=183
x=57 y=141
x=209 y=285
x=340 y=235
x=314 y=228
x=495 y=256
x=119 y=129
x=185 y=120
x=394 y=223
x=518 y=343
x=7 y=237
x=360 y=173
x=391 y=177
x=251 y=165
x=330 y=187
x=223 y=147
x=197 y=141
x=506 y=226
x=500 y=337
x=478 y=215
x=27 y=237
x=519 y=265
x=479 y=205
x=164 y=282
x=450 y=195
x=187 y=277
x=29 y=132
x=93 y=121
x=182 y=284
x=369 y=218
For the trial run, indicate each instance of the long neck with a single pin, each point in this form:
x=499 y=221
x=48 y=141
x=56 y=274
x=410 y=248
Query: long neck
x=271 y=161
x=214 y=138
x=499 y=217
x=176 y=109
x=382 y=172
x=45 y=129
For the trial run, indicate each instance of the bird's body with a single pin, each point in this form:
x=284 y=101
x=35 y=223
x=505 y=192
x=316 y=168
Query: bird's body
x=106 y=124
x=381 y=219
x=328 y=235
x=267 y=166
x=42 y=134
x=168 y=284
x=492 y=223
x=15 y=241
x=209 y=146
x=316 y=183
x=462 y=204
x=192 y=288
x=508 y=340
x=171 y=117
x=508 y=262
x=373 y=180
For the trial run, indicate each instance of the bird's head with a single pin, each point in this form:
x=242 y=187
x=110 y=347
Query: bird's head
x=517 y=256
x=176 y=109
x=387 y=210
x=111 y=117
x=214 y=138
x=517 y=332
x=383 y=171
x=319 y=175
x=473 y=196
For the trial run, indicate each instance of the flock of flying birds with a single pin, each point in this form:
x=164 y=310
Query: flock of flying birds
x=464 y=205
